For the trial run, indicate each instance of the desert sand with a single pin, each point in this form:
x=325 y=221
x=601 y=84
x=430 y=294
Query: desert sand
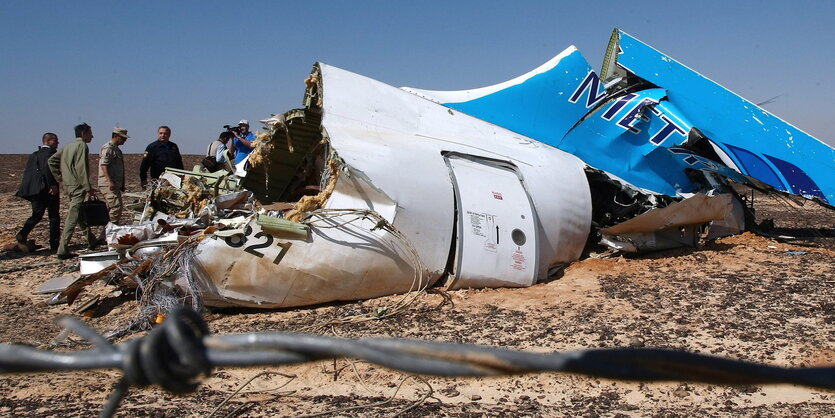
x=747 y=297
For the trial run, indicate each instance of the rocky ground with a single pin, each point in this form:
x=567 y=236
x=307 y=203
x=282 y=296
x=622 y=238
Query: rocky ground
x=747 y=297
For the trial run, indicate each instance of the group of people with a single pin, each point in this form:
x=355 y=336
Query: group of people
x=48 y=166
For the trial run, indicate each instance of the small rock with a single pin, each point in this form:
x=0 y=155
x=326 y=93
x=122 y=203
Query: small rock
x=475 y=397
x=636 y=342
x=681 y=393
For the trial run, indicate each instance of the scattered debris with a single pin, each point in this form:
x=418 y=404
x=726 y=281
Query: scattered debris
x=370 y=190
x=56 y=284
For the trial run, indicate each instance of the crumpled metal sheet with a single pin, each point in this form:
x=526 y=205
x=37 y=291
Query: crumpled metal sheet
x=344 y=258
x=695 y=210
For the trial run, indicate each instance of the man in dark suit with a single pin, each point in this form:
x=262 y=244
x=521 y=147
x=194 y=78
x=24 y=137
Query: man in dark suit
x=159 y=155
x=41 y=190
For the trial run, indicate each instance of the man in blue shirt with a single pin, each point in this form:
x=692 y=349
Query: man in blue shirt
x=244 y=141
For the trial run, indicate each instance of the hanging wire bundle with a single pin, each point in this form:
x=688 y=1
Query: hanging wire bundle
x=340 y=218
x=153 y=276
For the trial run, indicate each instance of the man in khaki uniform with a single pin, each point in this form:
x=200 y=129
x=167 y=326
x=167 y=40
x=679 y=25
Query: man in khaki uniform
x=112 y=173
x=70 y=165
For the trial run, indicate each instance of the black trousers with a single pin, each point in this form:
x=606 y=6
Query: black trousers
x=41 y=203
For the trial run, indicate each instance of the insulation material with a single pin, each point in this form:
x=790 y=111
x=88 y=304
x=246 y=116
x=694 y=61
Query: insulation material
x=309 y=203
x=263 y=147
x=196 y=199
x=277 y=124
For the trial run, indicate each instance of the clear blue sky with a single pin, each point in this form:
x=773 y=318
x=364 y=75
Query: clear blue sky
x=197 y=65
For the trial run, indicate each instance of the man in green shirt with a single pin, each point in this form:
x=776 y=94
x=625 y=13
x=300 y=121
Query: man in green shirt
x=70 y=165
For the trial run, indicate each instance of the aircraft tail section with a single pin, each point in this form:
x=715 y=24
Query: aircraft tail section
x=756 y=142
x=650 y=120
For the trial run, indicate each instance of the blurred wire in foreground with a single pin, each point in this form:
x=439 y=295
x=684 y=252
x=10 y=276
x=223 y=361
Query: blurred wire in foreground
x=176 y=353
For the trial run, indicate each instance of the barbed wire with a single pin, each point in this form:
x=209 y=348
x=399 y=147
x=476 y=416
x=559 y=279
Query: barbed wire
x=176 y=353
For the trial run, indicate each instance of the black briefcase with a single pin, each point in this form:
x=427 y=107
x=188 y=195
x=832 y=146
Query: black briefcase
x=94 y=212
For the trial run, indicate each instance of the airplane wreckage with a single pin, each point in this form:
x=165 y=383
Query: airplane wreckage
x=371 y=190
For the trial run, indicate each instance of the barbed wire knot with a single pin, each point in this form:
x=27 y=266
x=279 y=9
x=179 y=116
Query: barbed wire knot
x=172 y=355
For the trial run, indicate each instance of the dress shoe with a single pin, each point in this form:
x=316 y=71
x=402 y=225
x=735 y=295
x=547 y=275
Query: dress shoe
x=96 y=243
x=22 y=245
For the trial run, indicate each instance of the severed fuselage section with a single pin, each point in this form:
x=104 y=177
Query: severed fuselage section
x=371 y=190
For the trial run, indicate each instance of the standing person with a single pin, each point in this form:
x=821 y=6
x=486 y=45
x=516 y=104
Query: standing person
x=70 y=165
x=243 y=141
x=40 y=188
x=217 y=155
x=159 y=155
x=112 y=173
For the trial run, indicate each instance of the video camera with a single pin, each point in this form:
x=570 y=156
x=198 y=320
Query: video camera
x=230 y=128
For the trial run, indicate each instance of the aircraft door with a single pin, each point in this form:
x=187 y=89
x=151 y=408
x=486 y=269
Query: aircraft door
x=496 y=240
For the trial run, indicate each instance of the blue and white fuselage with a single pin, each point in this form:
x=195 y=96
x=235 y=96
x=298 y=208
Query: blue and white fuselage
x=641 y=127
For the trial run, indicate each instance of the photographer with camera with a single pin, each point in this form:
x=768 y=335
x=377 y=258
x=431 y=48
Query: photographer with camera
x=243 y=141
x=217 y=155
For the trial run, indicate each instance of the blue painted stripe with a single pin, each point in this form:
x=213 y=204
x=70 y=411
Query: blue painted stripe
x=756 y=167
x=799 y=181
